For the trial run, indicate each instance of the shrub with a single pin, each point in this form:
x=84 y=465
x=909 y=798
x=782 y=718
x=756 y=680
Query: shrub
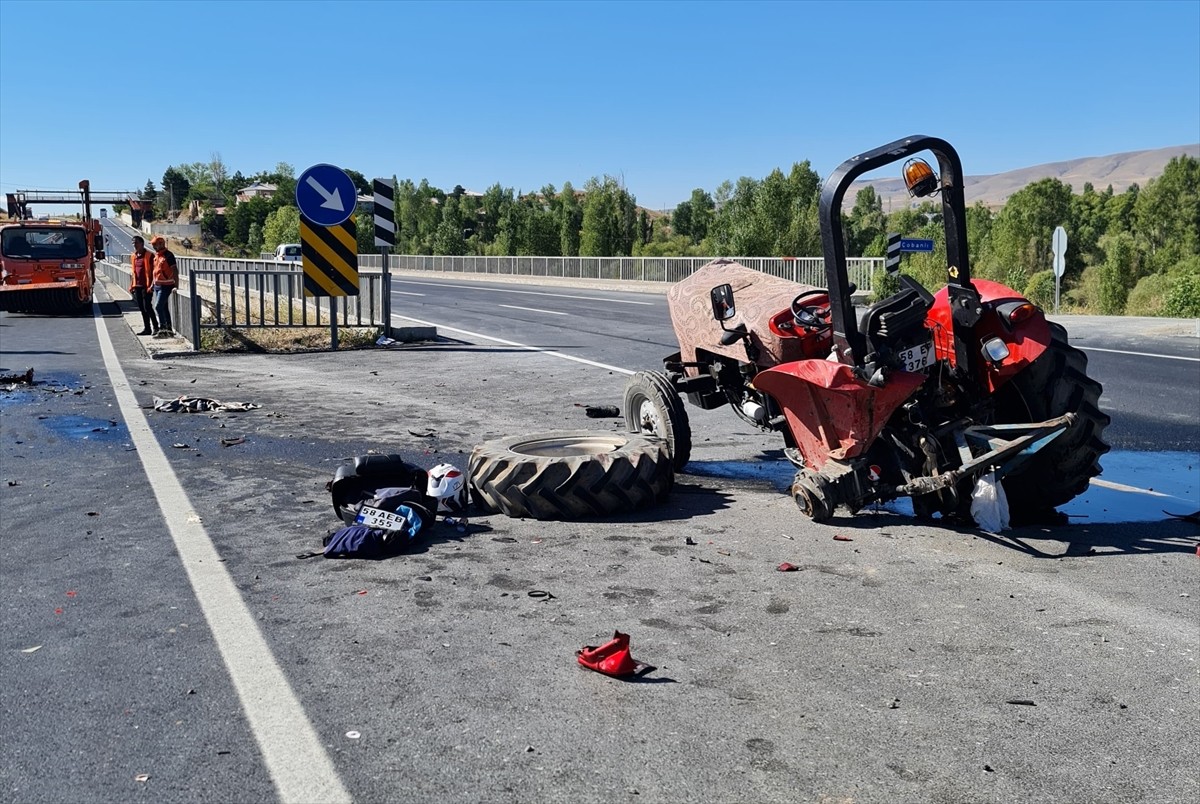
x=1183 y=296
x=1040 y=289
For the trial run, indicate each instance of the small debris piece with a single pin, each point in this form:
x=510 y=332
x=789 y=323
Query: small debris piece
x=93 y=513
x=613 y=658
x=895 y=704
x=601 y=411
x=988 y=769
x=353 y=735
x=180 y=446
x=142 y=777
x=1020 y=702
x=427 y=434
x=34 y=649
x=786 y=567
x=384 y=340
x=529 y=749
x=540 y=594
x=233 y=442
x=689 y=540
x=361 y=592
x=14 y=482
x=19 y=379
x=840 y=538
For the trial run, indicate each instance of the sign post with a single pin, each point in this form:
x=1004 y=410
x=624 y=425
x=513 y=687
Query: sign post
x=385 y=238
x=1058 y=245
x=328 y=244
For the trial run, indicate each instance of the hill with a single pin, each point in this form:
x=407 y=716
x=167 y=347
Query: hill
x=1119 y=170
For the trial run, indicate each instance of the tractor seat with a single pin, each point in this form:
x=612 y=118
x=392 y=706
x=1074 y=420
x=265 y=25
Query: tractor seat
x=897 y=318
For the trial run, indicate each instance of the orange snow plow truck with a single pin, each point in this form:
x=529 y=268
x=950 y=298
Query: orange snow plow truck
x=49 y=266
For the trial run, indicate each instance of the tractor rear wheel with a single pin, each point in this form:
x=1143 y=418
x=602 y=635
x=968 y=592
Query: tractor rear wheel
x=1054 y=384
x=570 y=475
x=653 y=408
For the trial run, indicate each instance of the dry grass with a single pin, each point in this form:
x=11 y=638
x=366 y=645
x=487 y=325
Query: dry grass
x=284 y=339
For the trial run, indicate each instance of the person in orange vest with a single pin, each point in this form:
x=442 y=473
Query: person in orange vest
x=164 y=283
x=141 y=278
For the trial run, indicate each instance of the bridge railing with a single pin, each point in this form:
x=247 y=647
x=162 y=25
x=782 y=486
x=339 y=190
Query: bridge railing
x=806 y=270
x=218 y=293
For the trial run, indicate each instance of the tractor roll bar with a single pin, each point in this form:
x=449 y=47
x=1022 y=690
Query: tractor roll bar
x=964 y=300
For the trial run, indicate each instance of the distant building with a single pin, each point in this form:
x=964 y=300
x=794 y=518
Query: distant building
x=256 y=190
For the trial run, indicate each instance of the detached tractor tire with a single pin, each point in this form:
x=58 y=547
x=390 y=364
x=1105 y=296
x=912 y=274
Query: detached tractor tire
x=1054 y=384
x=568 y=475
x=653 y=408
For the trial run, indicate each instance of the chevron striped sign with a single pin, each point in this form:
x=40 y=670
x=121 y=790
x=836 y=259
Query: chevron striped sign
x=330 y=256
x=385 y=212
x=892 y=263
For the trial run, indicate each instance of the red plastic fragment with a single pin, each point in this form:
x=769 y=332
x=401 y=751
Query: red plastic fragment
x=71 y=593
x=612 y=658
x=840 y=538
x=786 y=567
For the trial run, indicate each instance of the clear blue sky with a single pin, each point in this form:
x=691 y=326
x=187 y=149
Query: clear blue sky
x=667 y=96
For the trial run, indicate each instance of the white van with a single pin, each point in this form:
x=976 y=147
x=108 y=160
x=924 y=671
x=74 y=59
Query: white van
x=288 y=252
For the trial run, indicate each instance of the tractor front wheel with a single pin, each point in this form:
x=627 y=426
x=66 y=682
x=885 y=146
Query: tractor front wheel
x=653 y=408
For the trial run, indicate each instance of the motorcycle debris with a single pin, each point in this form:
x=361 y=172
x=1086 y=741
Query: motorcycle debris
x=786 y=567
x=840 y=538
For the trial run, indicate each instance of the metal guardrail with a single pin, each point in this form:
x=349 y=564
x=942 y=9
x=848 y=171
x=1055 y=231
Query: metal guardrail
x=218 y=293
x=806 y=270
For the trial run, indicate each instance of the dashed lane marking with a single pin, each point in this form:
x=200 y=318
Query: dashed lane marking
x=531 y=309
x=551 y=352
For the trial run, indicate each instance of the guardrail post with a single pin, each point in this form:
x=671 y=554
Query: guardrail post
x=387 y=295
x=195 y=299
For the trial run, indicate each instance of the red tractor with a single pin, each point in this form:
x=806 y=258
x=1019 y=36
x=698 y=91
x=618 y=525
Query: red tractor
x=918 y=395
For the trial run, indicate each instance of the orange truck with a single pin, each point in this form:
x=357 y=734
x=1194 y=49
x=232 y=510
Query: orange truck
x=49 y=266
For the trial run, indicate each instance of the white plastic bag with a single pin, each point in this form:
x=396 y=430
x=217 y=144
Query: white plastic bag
x=989 y=506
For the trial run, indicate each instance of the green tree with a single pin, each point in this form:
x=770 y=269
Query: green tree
x=570 y=221
x=1166 y=215
x=448 y=236
x=1023 y=229
x=175 y=187
x=281 y=226
x=866 y=222
x=608 y=220
x=254 y=240
x=1117 y=274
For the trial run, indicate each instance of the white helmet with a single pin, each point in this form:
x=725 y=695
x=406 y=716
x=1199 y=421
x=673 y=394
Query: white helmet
x=448 y=486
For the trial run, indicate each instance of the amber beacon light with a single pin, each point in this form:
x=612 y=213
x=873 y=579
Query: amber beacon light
x=920 y=178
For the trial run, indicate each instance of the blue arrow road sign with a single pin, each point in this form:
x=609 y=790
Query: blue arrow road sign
x=325 y=195
x=911 y=244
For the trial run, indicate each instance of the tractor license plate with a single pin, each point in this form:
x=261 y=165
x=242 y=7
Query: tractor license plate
x=379 y=518
x=917 y=357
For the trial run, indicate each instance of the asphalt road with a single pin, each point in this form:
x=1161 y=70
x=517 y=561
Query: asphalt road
x=167 y=646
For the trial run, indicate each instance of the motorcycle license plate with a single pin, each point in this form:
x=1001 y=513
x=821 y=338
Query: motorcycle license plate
x=378 y=518
x=917 y=357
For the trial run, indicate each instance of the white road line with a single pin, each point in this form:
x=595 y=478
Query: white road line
x=404 y=293
x=510 y=290
x=1108 y=484
x=1139 y=354
x=551 y=352
x=531 y=309
x=292 y=751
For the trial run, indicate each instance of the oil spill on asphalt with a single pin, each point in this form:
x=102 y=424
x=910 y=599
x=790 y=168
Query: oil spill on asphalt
x=86 y=428
x=43 y=384
x=1149 y=483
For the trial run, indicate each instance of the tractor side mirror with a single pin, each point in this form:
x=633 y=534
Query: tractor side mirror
x=722 y=302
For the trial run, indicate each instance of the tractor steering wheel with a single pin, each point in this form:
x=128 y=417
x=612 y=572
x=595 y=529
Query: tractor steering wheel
x=813 y=316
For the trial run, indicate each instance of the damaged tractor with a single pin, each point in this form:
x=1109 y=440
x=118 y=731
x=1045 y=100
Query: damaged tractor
x=918 y=395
